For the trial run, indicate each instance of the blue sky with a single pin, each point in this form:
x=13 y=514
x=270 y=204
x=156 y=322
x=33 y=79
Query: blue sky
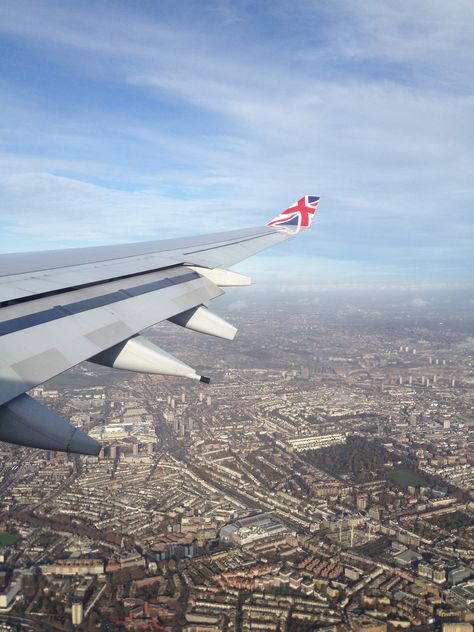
x=122 y=121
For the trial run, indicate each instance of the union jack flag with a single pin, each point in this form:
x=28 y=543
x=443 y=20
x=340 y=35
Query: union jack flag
x=299 y=215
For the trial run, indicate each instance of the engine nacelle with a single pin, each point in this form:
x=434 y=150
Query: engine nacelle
x=26 y=422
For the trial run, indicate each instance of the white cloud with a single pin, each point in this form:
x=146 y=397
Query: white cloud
x=389 y=153
x=419 y=302
x=72 y=210
x=238 y=306
x=431 y=33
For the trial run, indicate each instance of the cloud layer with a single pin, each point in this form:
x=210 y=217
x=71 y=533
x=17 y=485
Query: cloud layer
x=122 y=122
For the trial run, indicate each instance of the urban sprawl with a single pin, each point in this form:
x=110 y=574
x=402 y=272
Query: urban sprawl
x=323 y=480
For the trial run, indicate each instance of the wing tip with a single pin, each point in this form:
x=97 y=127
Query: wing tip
x=298 y=216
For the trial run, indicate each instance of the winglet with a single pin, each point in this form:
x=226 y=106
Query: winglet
x=298 y=216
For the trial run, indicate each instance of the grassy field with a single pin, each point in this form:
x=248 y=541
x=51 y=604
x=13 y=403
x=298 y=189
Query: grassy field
x=453 y=521
x=406 y=478
x=7 y=538
x=67 y=380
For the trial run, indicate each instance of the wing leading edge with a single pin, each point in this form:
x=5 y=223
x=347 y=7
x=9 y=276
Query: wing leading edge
x=60 y=308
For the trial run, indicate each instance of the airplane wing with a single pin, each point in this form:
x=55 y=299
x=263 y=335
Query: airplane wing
x=62 y=307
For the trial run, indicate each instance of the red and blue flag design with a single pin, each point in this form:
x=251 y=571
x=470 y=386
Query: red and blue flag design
x=299 y=215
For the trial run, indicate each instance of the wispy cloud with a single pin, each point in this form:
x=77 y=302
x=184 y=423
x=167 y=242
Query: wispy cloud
x=172 y=122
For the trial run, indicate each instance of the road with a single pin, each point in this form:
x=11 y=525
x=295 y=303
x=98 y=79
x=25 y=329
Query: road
x=21 y=623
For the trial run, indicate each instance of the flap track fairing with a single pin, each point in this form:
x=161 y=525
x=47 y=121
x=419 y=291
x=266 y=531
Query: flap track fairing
x=202 y=320
x=141 y=355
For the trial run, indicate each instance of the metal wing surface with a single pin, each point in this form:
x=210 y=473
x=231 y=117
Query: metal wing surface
x=59 y=308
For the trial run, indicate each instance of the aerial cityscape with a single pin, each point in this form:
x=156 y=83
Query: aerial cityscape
x=323 y=480
x=215 y=417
